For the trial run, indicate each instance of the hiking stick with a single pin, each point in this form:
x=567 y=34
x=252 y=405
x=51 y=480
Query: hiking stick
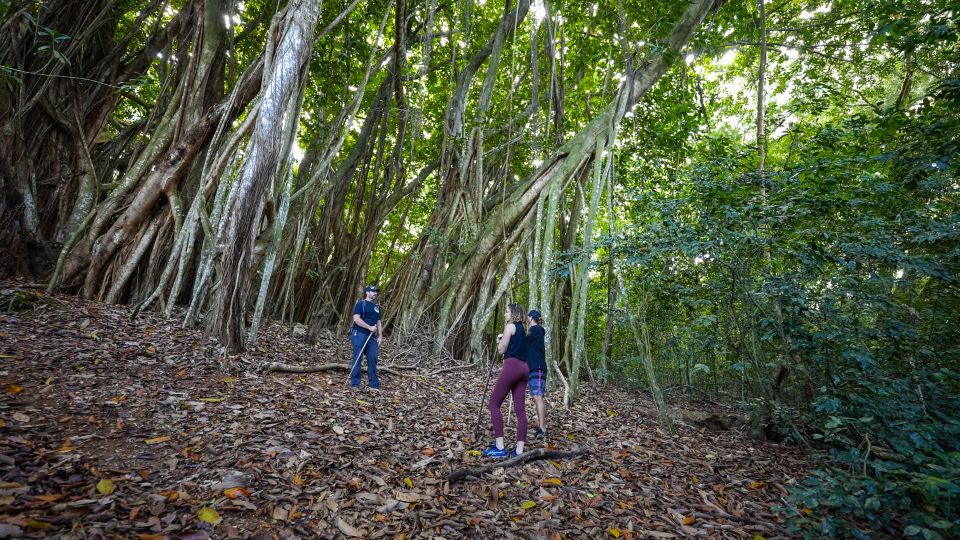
x=483 y=398
x=359 y=354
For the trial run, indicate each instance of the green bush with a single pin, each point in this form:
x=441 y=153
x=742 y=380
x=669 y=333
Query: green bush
x=893 y=464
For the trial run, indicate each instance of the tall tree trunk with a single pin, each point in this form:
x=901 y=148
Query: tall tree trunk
x=282 y=96
x=607 y=351
x=463 y=270
x=583 y=272
x=641 y=335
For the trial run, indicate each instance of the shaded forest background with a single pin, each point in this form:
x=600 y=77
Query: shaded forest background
x=753 y=202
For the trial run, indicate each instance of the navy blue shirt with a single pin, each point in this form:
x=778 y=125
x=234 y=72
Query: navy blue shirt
x=517 y=348
x=369 y=312
x=536 y=352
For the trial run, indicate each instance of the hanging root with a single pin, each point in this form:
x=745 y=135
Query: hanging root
x=526 y=457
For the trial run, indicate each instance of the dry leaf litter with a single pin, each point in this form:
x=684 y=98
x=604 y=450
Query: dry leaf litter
x=140 y=429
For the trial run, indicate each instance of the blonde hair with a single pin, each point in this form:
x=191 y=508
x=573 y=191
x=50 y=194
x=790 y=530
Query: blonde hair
x=516 y=313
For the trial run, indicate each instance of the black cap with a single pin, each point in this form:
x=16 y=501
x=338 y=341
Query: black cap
x=535 y=315
x=372 y=288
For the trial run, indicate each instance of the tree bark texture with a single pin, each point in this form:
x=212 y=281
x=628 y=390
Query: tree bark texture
x=281 y=96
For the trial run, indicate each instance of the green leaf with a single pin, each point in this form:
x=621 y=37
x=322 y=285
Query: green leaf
x=106 y=486
x=209 y=515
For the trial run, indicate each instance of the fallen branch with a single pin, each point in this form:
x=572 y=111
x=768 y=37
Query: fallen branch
x=288 y=368
x=526 y=457
x=452 y=368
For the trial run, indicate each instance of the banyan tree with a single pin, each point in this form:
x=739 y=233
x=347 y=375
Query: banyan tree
x=226 y=161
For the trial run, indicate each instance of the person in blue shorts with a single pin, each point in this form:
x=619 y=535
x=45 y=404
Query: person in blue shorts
x=536 y=361
x=366 y=321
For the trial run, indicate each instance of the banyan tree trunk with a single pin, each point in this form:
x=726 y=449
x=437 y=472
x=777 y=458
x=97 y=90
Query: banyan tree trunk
x=52 y=114
x=450 y=283
x=280 y=108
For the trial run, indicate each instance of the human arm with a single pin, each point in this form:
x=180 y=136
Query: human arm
x=504 y=342
x=358 y=320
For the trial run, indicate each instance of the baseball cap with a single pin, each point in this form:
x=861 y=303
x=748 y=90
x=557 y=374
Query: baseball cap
x=534 y=314
x=372 y=288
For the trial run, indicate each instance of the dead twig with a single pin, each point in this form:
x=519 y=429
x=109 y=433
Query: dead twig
x=462 y=367
x=526 y=457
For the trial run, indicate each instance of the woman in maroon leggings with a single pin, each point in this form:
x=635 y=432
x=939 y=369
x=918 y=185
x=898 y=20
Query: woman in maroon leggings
x=513 y=379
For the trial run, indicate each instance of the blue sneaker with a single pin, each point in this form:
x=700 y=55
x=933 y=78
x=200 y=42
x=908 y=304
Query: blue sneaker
x=494 y=452
x=512 y=453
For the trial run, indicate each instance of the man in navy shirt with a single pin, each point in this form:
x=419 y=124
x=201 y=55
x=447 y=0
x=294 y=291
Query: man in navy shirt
x=366 y=321
x=536 y=360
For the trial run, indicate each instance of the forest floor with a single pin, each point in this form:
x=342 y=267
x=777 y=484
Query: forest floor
x=115 y=428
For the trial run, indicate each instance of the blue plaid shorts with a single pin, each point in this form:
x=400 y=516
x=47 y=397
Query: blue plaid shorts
x=538 y=382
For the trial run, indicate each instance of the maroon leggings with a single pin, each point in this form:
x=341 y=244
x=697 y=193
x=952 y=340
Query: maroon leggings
x=514 y=379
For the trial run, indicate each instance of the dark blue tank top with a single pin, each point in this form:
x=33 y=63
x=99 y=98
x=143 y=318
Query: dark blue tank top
x=517 y=348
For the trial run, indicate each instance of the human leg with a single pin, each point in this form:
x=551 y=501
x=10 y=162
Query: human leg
x=356 y=339
x=513 y=371
x=373 y=350
x=541 y=406
x=519 y=391
x=499 y=393
x=538 y=383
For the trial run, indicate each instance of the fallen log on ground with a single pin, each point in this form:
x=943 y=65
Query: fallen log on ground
x=526 y=457
x=290 y=368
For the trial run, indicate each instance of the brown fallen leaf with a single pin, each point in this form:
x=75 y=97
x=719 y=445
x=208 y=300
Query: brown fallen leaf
x=411 y=497
x=240 y=503
x=280 y=513
x=348 y=529
x=656 y=534
x=158 y=440
x=235 y=492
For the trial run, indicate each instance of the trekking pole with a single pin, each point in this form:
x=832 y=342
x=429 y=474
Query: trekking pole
x=359 y=354
x=483 y=398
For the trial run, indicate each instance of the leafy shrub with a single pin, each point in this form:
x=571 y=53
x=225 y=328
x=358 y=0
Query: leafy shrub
x=893 y=464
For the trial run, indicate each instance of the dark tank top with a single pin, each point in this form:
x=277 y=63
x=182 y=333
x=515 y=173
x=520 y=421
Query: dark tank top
x=517 y=348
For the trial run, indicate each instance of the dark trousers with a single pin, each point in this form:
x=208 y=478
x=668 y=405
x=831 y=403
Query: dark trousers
x=357 y=338
x=512 y=380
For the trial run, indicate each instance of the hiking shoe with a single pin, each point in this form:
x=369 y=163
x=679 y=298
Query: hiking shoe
x=537 y=432
x=512 y=453
x=494 y=452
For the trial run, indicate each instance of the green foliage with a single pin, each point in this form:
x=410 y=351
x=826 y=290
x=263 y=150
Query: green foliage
x=856 y=245
x=894 y=458
x=838 y=262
